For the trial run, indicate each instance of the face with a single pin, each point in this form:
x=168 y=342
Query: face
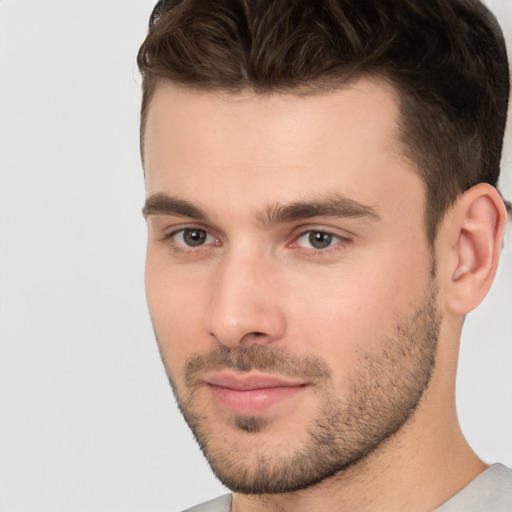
x=289 y=280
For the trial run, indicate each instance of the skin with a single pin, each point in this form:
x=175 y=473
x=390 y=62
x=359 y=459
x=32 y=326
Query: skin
x=257 y=285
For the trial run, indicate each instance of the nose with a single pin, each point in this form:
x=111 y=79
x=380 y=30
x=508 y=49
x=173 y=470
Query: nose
x=245 y=304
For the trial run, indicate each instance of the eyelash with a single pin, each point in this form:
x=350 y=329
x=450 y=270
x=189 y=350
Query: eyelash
x=183 y=248
x=186 y=249
x=341 y=240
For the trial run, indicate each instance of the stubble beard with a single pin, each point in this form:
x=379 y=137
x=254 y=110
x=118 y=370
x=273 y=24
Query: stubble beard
x=383 y=395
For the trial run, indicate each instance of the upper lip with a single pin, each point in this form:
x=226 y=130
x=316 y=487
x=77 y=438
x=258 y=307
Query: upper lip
x=250 y=381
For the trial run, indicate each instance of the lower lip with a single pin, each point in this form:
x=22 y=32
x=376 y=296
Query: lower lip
x=252 y=401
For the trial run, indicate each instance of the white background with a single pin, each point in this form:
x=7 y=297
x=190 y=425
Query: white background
x=87 y=419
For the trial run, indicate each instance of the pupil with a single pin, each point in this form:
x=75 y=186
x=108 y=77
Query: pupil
x=320 y=240
x=194 y=237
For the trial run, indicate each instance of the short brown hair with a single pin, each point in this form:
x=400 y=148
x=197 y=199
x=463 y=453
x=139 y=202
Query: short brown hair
x=445 y=58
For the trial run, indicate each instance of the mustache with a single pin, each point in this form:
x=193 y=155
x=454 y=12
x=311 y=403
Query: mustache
x=263 y=358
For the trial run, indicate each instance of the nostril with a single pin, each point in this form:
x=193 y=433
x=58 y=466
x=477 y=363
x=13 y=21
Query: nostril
x=254 y=337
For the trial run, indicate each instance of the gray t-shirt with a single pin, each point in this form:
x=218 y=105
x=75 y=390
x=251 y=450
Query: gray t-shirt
x=491 y=491
x=221 y=504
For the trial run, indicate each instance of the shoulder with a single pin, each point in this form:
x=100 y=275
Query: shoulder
x=220 y=504
x=490 y=491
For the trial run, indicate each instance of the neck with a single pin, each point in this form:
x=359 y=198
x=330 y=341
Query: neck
x=423 y=465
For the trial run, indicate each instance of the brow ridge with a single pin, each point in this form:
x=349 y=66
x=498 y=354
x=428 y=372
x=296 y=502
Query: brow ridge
x=332 y=206
x=163 y=204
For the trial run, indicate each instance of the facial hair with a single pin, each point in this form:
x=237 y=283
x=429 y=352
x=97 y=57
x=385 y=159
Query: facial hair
x=384 y=391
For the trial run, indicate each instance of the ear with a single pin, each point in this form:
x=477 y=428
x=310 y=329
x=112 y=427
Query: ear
x=474 y=233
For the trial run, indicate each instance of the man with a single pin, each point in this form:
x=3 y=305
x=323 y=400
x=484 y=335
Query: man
x=322 y=215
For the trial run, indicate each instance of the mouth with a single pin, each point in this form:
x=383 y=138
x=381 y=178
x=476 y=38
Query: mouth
x=251 y=394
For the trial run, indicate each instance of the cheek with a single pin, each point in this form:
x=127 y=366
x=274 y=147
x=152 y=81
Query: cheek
x=350 y=309
x=175 y=305
x=338 y=322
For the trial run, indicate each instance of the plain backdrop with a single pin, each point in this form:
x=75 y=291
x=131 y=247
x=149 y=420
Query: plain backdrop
x=87 y=419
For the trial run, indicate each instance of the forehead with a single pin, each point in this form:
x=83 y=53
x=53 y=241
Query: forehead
x=207 y=144
x=173 y=106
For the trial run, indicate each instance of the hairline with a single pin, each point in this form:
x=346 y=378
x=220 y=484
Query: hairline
x=323 y=85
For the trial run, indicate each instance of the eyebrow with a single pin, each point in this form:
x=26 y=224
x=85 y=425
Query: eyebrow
x=333 y=205
x=163 y=204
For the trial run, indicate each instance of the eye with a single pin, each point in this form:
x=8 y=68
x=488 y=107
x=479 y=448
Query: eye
x=317 y=239
x=192 y=237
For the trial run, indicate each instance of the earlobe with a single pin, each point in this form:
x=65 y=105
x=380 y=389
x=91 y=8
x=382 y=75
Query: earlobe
x=479 y=222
